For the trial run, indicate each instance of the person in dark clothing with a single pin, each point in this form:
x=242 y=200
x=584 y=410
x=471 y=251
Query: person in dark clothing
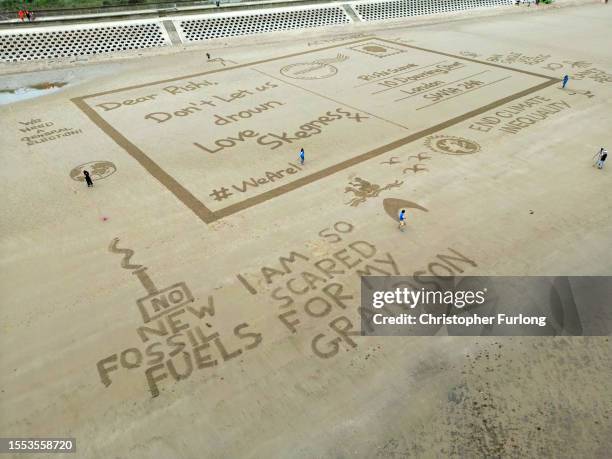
x=88 y=178
x=565 y=80
x=603 y=155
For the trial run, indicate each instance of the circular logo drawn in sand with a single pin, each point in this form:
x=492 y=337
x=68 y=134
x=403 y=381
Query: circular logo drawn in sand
x=98 y=170
x=452 y=145
x=314 y=70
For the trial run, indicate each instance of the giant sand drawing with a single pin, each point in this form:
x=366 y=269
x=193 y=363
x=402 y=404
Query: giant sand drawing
x=238 y=114
x=145 y=333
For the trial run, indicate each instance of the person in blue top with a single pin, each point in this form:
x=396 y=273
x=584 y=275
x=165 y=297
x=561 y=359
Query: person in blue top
x=402 y=219
x=565 y=80
x=302 y=156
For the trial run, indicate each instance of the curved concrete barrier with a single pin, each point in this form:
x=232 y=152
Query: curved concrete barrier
x=80 y=40
x=74 y=40
x=282 y=19
x=377 y=10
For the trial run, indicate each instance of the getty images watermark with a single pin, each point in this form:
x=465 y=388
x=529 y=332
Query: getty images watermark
x=493 y=306
x=459 y=299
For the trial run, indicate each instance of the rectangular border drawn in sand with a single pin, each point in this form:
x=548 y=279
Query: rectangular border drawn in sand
x=207 y=215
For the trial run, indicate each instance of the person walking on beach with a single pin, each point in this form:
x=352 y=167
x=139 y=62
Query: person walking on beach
x=402 y=219
x=598 y=155
x=601 y=158
x=88 y=179
x=565 y=80
x=302 y=156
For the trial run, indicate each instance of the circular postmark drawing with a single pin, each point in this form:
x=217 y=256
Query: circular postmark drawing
x=309 y=71
x=98 y=170
x=315 y=70
x=452 y=145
